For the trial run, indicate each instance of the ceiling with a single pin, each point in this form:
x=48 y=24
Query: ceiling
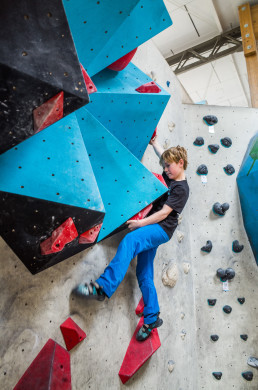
x=221 y=82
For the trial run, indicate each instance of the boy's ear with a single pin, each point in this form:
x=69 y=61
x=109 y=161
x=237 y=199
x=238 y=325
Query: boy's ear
x=181 y=161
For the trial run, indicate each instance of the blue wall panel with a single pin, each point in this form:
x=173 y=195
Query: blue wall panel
x=52 y=165
x=126 y=186
x=104 y=31
x=129 y=115
x=247 y=181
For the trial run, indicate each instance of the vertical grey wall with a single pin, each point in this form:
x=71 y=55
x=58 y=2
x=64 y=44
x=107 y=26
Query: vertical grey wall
x=229 y=354
x=33 y=307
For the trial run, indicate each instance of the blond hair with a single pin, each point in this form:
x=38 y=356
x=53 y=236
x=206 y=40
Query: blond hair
x=174 y=154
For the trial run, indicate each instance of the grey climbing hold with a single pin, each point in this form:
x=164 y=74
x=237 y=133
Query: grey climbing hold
x=226 y=274
x=213 y=148
x=252 y=361
x=227 y=309
x=230 y=273
x=208 y=247
x=214 y=337
x=226 y=141
x=220 y=209
x=171 y=365
x=236 y=247
x=217 y=375
x=221 y=273
x=210 y=120
x=199 y=141
x=212 y=302
x=248 y=375
x=202 y=170
x=241 y=300
x=244 y=337
x=229 y=169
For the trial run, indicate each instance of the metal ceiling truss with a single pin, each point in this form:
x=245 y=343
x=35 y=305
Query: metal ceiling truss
x=214 y=46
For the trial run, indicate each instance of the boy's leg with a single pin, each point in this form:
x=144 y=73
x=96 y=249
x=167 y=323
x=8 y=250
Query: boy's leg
x=139 y=240
x=144 y=273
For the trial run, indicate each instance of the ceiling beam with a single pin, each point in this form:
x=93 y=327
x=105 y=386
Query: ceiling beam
x=248 y=18
x=213 y=46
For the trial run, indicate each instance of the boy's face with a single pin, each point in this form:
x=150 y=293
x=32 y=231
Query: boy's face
x=173 y=170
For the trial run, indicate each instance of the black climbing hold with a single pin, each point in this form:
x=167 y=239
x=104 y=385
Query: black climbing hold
x=225 y=207
x=244 y=337
x=208 y=247
x=217 y=375
x=229 y=169
x=236 y=247
x=248 y=375
x=202 y=170
x=221 y=273
x=220 y=209
x=199 y=141
x=213 y=148
x=230 y=273
x=226 y=142
x=210 y=120
x=227 y=309
x=214 y=337
x=241 y=300
x=212 y=302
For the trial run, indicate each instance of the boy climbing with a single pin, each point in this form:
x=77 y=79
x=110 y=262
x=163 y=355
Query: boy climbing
x=144 y=239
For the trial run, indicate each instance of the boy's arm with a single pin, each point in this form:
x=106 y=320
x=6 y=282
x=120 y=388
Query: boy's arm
x=157 y=147
x=154 y=218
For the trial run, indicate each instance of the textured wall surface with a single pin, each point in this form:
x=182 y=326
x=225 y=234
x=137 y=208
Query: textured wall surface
x=33 y=307
x=229 y=354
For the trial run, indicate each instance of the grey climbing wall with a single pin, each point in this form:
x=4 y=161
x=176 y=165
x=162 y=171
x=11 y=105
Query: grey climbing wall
x=230 y=353
x=33 y=307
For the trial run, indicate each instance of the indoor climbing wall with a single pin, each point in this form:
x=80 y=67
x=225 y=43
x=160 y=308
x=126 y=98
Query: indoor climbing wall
x=227 y=325
x=76 y=182
x=98 y=361
x=52 y=206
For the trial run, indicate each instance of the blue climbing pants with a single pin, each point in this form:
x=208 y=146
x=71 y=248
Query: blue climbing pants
x=143 y=242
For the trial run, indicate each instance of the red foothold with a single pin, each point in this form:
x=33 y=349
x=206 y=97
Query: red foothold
x=140 y=307
x=50 y=370
x=64 y=234
x=142 y=214
x=89 y=83
x=160 y=177
x=49 y=112
x=138 y=352
x=122 y=62
x=149 y=88
x=72 y=333
x=91 y=235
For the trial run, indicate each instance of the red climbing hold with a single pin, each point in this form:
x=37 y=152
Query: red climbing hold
x=149 y=88
x=50 y=370
x=72 y=333
x=154 y=134
x=160 y=177
x=122 y=62
x=142 y=214
x=91 y=235
x=89 y=83
x=140 y=307
x=49 y=112
x=64 y=234
x=138 y=352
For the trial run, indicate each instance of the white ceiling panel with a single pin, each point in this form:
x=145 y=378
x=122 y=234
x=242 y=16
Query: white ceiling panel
x=221 y=82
